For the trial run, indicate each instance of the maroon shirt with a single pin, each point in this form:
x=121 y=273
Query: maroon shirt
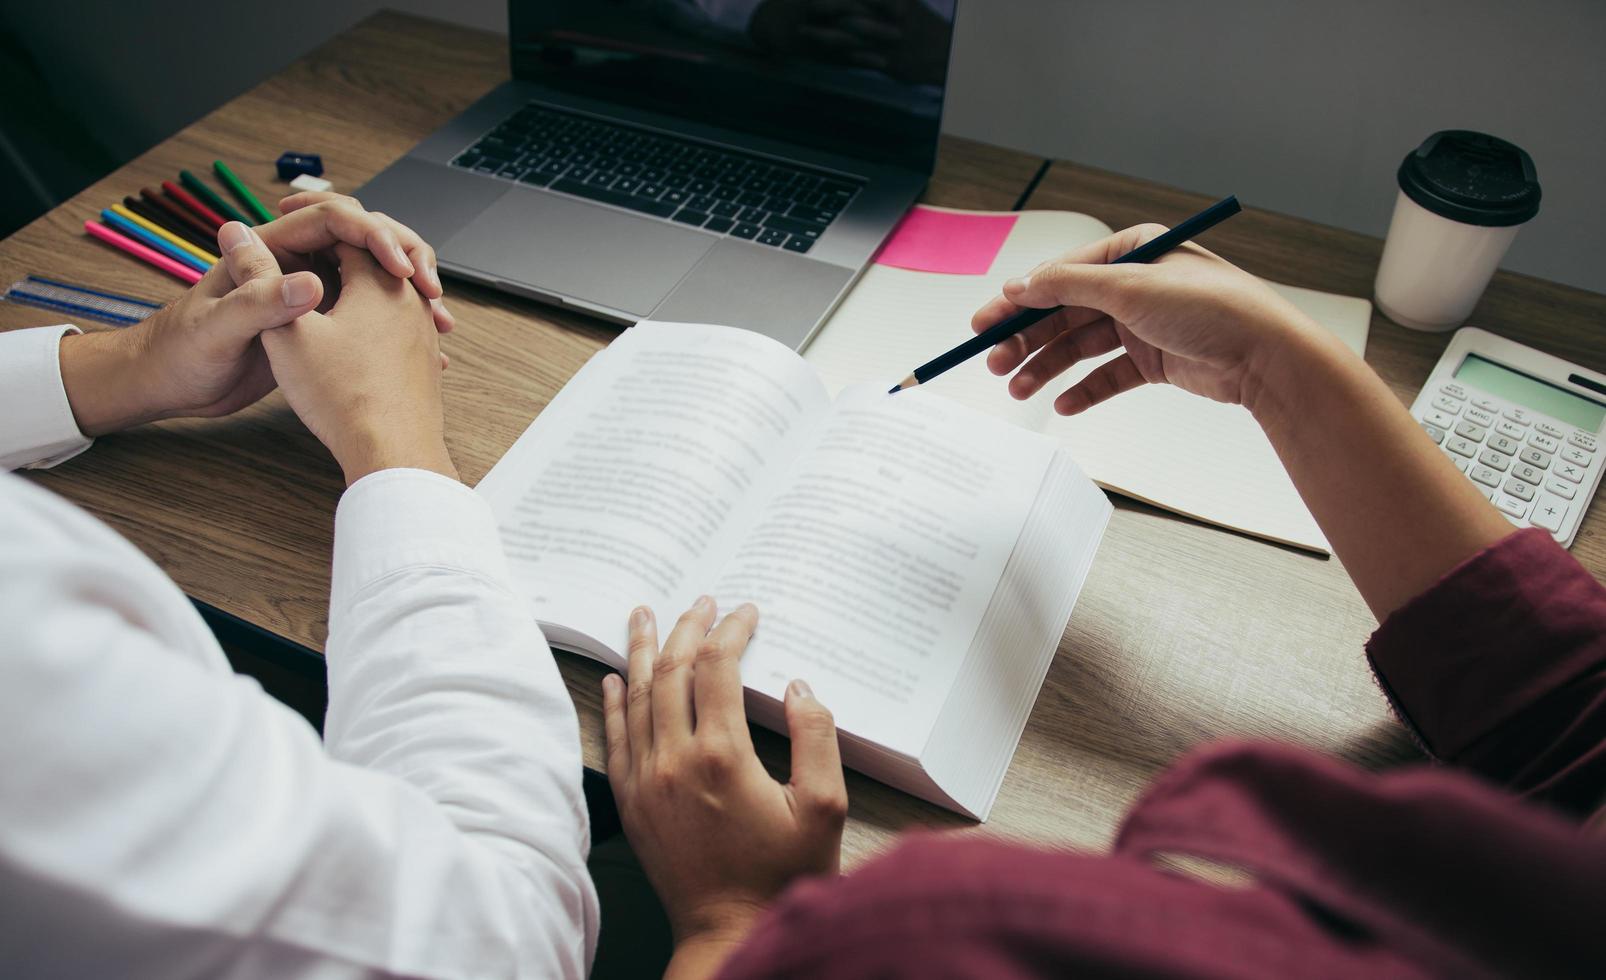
x=1480 y=866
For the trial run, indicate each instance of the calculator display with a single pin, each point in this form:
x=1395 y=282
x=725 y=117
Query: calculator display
x=1541 y=396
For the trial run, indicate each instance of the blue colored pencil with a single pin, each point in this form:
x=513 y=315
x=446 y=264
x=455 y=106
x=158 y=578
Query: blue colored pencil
x=157 y=242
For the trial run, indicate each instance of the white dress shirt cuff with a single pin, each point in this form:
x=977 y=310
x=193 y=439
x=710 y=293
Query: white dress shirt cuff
x=37 y=428
x=404 y=518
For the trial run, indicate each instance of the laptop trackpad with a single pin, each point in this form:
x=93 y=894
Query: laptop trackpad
x=565 y=247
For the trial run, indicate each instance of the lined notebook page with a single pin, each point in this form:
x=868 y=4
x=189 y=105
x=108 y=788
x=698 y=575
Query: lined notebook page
x=896 y=319
x=1177 y=451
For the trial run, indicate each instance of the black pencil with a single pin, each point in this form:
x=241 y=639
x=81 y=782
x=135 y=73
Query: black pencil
x=162 y=219
x=1005 y=329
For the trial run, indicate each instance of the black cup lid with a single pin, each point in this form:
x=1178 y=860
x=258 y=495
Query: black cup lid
x=1472 y=178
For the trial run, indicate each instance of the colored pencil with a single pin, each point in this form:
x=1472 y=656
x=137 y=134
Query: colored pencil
x=190 y=201
x=241 y=191
x=156 y=199
x=167 y=236
x=1009 y=327
x=139 y=251
x=210 y=196
x=131 y=230
x=167 y=223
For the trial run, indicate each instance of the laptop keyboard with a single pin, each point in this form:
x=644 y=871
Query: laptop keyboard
x=722 y=191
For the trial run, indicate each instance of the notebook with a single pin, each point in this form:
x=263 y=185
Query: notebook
x=1159 y=444
x=914 y=560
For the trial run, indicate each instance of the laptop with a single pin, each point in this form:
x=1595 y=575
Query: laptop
x=718 y=161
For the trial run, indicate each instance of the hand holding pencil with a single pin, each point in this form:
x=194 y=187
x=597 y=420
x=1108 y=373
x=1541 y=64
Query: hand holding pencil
x=1192 y=319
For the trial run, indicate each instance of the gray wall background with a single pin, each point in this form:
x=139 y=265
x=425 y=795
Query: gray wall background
x=1304 y=108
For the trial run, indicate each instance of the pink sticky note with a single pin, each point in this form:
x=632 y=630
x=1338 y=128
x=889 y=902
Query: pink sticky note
x=928 y=240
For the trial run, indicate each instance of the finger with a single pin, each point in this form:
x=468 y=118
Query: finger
x=336 y=219
x=717 y=673
x=262 y=298
x=444 y=321
x=1007 y=356
x=1059 y=354
x=817 y=782
x=445 y=361
x=425 y=276
x=1102 y=383
x=643 y=650
x=671 y=675
x=359 y=271
x=615 y=731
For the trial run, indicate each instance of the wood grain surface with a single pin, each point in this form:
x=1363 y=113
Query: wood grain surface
x=1184 y=633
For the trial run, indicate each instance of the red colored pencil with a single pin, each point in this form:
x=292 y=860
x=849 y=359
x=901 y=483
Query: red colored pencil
x=187 y=199
x=155 y=199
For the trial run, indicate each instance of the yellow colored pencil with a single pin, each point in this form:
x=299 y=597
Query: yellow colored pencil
x=157 y=229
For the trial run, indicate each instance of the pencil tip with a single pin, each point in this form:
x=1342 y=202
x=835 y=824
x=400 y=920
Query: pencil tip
x=894 y=389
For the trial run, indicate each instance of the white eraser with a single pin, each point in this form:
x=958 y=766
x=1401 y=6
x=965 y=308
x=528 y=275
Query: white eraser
x=307 y=182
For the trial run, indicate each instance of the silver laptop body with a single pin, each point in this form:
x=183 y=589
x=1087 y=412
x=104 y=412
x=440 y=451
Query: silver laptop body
x=719 y=161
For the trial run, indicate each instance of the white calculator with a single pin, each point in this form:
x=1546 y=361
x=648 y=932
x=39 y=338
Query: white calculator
x=1525 y=427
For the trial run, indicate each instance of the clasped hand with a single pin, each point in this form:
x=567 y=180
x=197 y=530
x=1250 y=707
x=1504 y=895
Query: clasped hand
x=266 y=316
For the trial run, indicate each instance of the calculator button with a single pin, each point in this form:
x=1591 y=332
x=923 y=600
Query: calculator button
x=1547 y=429
x=1534 y=457
x=1492 y=459
x=1511 y=506
x=1459 y=463
x=1573 y=454
x=1548 y=513
x=1560 y=488
x=1571 y=472
x=1519 y=489
x=1518 y=415
x=1508 y=428
x=1479 y=416
x=1438 y=419
x=1504 y=444
x=1454 y=391
x=1527 y=474
x=1450 y=405
x=1544 y=442
x=1434 y=432
x=1484 y=475
x=1582 y=440
x=1486 y=403
x=1468 y=430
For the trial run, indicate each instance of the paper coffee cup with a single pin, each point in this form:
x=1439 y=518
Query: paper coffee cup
x=1463 y=195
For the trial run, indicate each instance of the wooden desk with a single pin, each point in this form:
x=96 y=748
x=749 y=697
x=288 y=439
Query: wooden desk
x=1184 y=632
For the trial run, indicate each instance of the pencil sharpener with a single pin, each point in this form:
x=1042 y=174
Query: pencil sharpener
x=292 y=165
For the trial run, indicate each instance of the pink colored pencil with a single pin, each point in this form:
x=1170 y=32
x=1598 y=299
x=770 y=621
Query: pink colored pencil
x=139 y=251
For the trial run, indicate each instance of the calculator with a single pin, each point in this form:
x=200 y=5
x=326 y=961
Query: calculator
x=1525 y=427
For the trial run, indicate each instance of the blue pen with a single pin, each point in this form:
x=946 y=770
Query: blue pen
x=126 y=227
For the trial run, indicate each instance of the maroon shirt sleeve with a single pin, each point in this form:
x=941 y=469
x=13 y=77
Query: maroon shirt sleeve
x=1500 y=669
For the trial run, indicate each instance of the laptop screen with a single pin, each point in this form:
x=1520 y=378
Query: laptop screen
x=859 y=77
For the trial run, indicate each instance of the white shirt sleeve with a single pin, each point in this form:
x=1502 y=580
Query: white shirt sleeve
x=161 y=817
x=37 y=428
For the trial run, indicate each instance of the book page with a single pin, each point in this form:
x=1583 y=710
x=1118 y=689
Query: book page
x=875 y=559
x=617 y=493
x=894 y=320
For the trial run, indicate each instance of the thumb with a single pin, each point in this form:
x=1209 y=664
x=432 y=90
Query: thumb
x=817 y=782
x=262 y=297
x=1060 y=283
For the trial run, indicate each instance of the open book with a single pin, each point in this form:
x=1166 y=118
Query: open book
x=1157 y=443
x=913 y=560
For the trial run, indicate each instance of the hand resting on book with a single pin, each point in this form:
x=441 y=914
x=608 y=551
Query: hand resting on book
x=717 y=836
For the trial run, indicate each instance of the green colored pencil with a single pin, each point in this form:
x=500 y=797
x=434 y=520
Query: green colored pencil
x=211 y=199
x=241 y=191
